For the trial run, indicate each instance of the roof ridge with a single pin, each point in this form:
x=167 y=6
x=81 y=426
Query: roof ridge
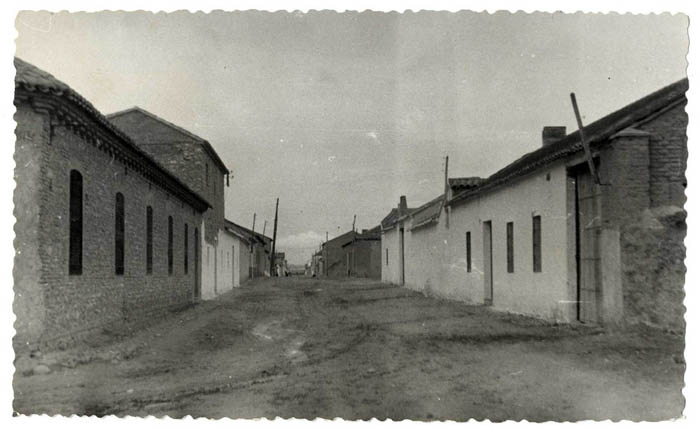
x=175 y=127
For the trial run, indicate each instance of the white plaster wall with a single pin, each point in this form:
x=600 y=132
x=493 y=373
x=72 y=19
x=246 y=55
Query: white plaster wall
x=436 y=255
x=226 y=263
x=217 y=276
x=390 y=241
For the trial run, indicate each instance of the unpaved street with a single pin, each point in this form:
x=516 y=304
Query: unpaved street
x=356 y=349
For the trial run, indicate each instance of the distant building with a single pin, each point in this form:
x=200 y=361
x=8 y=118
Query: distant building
x=540 y=237
x=281 y=262
x=352 y=254
x=104 y=235
x=258 y=251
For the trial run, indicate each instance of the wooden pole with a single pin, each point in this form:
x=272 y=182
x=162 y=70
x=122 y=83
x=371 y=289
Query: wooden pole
x=274 y=239
x=584 y=141
x=264 y=226
x=353 y=222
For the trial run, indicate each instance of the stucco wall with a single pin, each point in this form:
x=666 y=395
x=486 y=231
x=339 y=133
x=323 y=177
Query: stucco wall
x=391 y=271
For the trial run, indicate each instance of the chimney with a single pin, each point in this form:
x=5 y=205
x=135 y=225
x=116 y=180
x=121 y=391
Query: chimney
x=552 y=134
x=403 y=208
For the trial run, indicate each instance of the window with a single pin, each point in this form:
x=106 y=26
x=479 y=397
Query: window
x=170 y=244
x=509 y=246
x=185 y=262
x=537 y=244
x=149 y=240
x=387 y=256
x=206 y=173
x=75 y=220
x=119 y=235
x=469 y=251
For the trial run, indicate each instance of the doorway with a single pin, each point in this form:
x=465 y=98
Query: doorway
x=197 y=286
x=402 y=272
x=488 y=263
x=588 y=258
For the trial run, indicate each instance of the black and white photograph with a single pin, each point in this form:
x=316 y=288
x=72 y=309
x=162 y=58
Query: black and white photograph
x=425 y=215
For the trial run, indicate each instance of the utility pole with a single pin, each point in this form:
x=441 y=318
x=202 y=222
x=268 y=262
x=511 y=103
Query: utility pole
x=264 y=226
x=274 y=239
x=353 y=222
x=447 y=190
x=324 y=246
x=253 y=222
x=585 y=142
x=253 y=261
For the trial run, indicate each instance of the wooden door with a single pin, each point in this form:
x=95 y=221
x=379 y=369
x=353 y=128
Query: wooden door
x=488 y=263
x=402 y=272
x=197 y=249
x=588 y=252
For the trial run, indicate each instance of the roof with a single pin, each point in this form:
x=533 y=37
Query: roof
x=344 y=238
x=428 y=213
x=34 y=80
x=465 y=182
x=393 y=217
x=207 y=146
x=247 y=233
x=597 y=132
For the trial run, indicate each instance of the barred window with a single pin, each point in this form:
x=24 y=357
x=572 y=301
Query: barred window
x=119 y=235
x=509 y=247
x=186 y=251
x=149 y=240
x=469 y=251
x=537 y=244
x=75 y=216
x=170 y=244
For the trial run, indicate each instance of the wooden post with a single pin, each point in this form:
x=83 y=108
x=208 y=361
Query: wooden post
x=447 y=189
x=353 y=222
x=274 y=240
x=584 y=141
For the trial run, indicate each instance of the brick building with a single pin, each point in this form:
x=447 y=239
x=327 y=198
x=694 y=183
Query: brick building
x=196 y=163
x=104 y=235
x=540 y=237
x=352 y=254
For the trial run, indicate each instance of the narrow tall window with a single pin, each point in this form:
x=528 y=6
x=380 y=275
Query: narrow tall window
x=206 y=173
x=469 y=251
x=509 y=247
x=119 y=235
x=149 y=240
x=387 y=256
x=170 y=244
x=185 y=264
x=75 y=216
x=537 y=244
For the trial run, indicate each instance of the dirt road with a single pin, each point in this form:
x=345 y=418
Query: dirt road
x=301 y=347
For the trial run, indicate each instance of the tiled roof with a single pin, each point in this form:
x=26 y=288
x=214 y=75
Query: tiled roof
x=393 y=216
x=596 y=132
x=249 y=234
x=32 y=79
x=428 y=212
x=207 y=146
x=465 y=182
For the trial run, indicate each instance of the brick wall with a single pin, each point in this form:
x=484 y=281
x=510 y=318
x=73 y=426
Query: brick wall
x=97 y=298
x=668 y=152
x=28 y=306
x=644 y=204
x=183 y=156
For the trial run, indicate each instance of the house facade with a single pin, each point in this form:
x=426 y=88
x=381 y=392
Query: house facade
x=104 y=235
x=192 y=159
x=541 y=237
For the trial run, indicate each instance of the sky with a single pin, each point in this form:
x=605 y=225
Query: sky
x=339 y=114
